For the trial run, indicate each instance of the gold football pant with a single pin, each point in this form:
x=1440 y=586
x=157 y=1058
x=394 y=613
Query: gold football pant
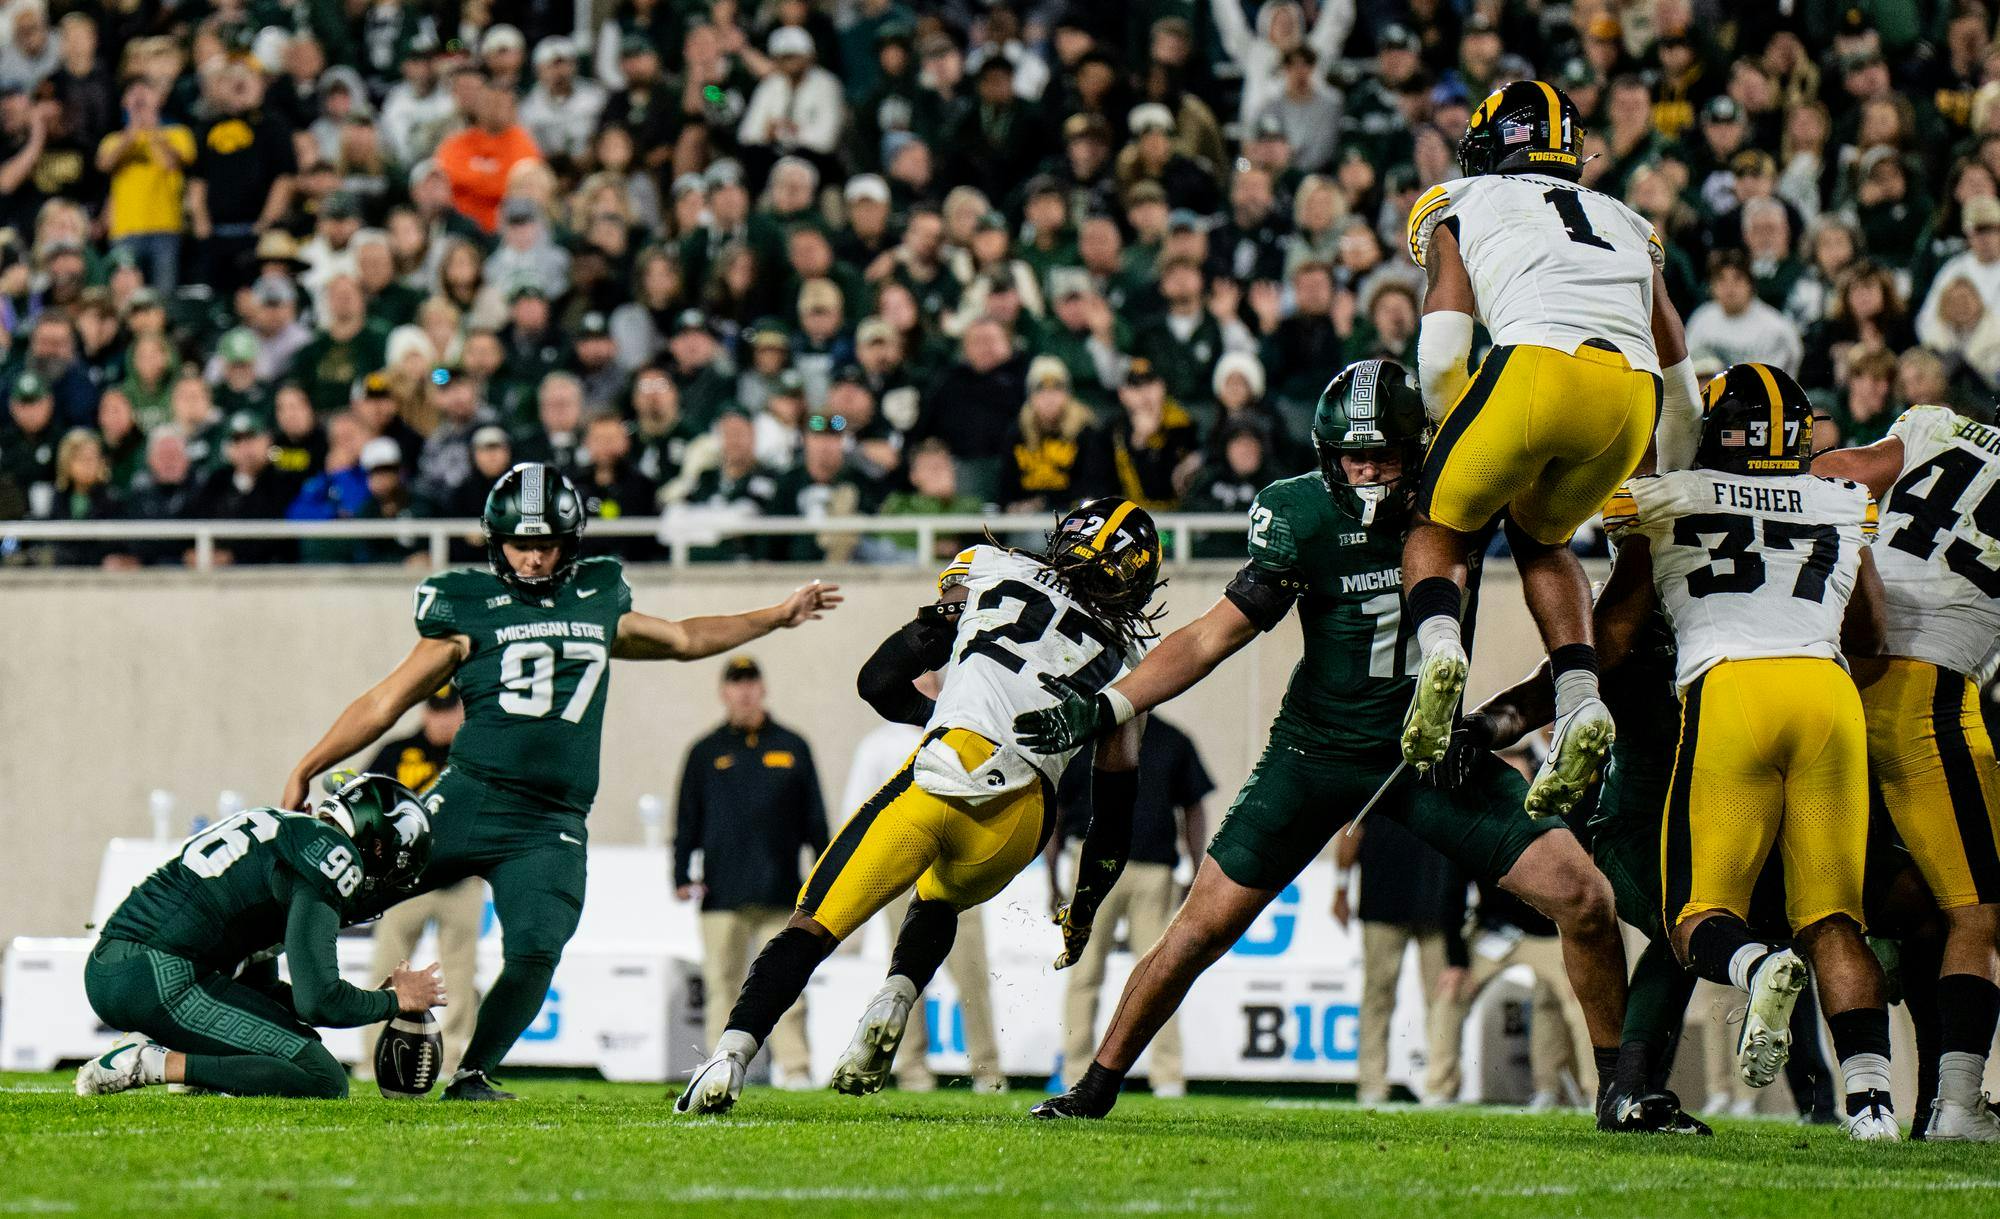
x=904 y=835
x=1933 y=764
x=1542 y=434
x=1772 y=752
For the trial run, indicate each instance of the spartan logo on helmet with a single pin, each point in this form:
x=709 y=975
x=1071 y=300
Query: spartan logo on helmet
x=1370 y=408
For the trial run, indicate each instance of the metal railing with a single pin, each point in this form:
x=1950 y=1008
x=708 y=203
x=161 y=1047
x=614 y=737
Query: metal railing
x=680 y=535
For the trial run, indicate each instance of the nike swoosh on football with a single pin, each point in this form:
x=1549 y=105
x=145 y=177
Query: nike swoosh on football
x=567 y=838
x=581 y=594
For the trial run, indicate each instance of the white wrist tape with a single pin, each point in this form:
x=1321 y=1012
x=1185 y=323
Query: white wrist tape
x=1122 y=709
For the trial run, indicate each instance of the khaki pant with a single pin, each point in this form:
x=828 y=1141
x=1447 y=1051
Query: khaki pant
x=1382 y=946
x=974 y=979
x=1557 y=1034
x=729 y=939
x=457 y=910
x=1143 y=899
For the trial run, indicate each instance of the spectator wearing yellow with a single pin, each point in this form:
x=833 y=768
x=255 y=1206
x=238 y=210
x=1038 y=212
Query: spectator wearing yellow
x=147 y=163
x=1154 y=453
x=1056 y=454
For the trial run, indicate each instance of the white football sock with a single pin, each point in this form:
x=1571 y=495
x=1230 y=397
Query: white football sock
x=1745 y=962
x=1959 y=1076
x=1573 y=689
x=152 y=1064
x=1865 y=1072
x=737 y=1044
x=1436 y=631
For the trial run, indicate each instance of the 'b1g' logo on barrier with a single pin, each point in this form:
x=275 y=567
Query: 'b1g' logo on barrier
x=1302 y=1032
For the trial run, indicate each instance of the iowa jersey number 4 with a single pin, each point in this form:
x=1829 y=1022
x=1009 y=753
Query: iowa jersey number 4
x=1003 y=644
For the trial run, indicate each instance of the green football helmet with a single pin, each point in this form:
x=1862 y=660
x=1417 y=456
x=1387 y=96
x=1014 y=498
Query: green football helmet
x=1371 y=407
x=533 y=503
x=387 y=823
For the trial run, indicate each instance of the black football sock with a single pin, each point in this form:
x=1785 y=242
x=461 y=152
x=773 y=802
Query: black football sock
x=508 y=1009
x=1655 y=1004
x=1606 y=1059
x=777 y=978
x=924 y=941
x=1098 y=1089
x=1861 y=1042
x=1917 y=975
x=1434 y=608
x=1967 y=1008
x=1806 y=1072
x=1722 y=950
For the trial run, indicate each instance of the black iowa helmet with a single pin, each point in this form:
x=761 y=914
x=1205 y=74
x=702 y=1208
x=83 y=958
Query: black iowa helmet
x=386 y=822
x=533 y=503
x=1527 y=127
x=1369 y=406
x=1755 y=420
x=1107 y=552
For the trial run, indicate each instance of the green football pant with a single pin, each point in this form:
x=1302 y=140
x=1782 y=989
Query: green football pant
x=1294 y=802
x=237 y=1039
x=533 y=859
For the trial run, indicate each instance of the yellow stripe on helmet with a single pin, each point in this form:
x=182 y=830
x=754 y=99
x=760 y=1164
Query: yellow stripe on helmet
x=1111 y=524
x=1777 y=408
x=1555 y=114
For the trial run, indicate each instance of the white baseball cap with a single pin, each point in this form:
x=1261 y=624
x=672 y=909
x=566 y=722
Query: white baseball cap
x=788 y=40
x=554 y=47
x=503 y=37
x=867 y=186
x=381 y=453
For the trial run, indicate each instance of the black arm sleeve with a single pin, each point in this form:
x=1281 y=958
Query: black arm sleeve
x=919 y=646
x=1264 y=594
x=1113 y=795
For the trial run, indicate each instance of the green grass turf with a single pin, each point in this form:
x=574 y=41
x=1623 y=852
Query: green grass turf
x=588 y=1149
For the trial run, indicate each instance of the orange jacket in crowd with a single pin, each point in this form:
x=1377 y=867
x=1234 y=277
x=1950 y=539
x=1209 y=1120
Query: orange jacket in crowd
x=476 y=162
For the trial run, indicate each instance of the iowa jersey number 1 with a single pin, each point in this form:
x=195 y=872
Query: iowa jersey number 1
x=1569 y=207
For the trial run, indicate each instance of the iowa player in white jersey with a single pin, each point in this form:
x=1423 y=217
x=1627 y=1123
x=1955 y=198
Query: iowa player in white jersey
x=1758 y=566
x=1561 y=411
x=1937 y=477
x=1011 y=631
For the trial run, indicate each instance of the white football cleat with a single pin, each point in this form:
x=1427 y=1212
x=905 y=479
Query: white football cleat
x=1433 y=709
x=1765 y=1043
x=714 y=1086
x=1170 y=1091
x=1876 y=1123
x=1578 y=745
x=116 y=1070
x=864 y=1066
x=1954 y=1123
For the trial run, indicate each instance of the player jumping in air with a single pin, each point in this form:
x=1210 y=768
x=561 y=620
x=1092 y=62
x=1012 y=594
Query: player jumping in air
x=1560 y=412
x=527 y=642
x=1330 y=543
x=971 y=807
x=187 y=963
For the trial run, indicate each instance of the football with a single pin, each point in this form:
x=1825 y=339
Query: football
x=408 y=1055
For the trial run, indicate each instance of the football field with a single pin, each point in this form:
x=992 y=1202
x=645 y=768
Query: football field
x=585 y=1148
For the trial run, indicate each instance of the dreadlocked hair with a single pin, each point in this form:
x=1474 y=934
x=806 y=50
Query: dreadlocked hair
x=1083 y=577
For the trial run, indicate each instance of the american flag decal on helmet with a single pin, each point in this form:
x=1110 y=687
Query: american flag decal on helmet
x=1516 y=133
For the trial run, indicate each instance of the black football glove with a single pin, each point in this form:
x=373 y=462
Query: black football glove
x=1471 y=739
x=1077 y=719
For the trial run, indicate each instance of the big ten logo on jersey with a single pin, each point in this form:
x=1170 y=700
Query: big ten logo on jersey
x=548 y=1021
x=1271 y=935
x=1302 y=1032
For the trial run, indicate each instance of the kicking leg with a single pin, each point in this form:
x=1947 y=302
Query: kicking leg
x=1217 y=913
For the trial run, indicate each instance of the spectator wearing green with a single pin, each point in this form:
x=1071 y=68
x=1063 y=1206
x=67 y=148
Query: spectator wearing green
x=347 y=346
x=933 y=492
x=238 y=389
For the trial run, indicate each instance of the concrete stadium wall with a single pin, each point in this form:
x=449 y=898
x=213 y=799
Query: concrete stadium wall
x=112 y=686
